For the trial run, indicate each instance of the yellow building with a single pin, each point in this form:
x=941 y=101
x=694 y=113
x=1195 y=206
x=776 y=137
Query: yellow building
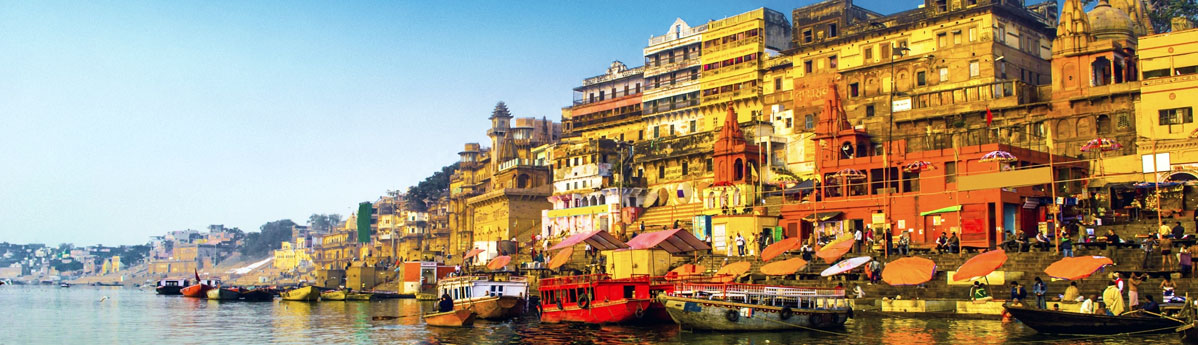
x=289 y=257
x=1169 y=94
x=732 y=53
x=671 y=74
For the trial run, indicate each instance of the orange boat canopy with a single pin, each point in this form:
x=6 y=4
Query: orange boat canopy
x=981 y=265
x=784 y=267
x=773 y=250
x=1075 y=268
x=498 y=262
x=731 y=271
x=686 y=270
x=561 y=258
x=909 y=271
x=472 y=253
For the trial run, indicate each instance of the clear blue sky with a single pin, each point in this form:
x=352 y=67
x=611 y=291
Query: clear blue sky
x=125 y=119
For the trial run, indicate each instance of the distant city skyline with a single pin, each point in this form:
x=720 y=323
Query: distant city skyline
x=128 y=120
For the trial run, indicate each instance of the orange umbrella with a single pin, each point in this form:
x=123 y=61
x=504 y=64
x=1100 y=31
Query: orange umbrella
x=686 y=271
x=1075 y=268
x=909 y=271
x=773 y=250
x=832 y=252
x=472 y=253
x=783 y=267
x=561 y=258
x=981 y=265
x=732 y=270
x=498 y=262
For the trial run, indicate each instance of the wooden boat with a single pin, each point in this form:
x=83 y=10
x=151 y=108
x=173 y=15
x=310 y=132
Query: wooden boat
x=358 y=296
x=1061 y=322
x=1189 y=333
x=64 y=284
x=307 y=293
x=334 y=295
x=752 y=307
x=257 y=295
x=492 y=298
x=200 y=290
x=453 y=318
x=223 y=294
x=602 y=299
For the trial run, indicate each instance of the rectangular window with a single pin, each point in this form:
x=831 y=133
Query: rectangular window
x=869 y=110
x=709 y=165
x=853 y=90
x=1176 y=116
x=807 y=36
x=671 y=129
x=1002 y=69
x=942 y=40
x=921 y=78
x=656 y=132
x=885 y=51
x=694 y=127
x=974 y=69
x=1185 y=70
x=950 y=172
x=832 y=30
x=788 y=122
x=809 y=122
x=973 y=34
x=1001 y=35
x=832 y=61
x=807 y=66
x=869 y=53
x=956 y=37
x=685 y=168
x=943 y=74
x=777 y=84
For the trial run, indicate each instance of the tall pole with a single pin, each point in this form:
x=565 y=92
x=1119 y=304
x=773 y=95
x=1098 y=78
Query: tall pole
x=1054 y=210
x=886 y=148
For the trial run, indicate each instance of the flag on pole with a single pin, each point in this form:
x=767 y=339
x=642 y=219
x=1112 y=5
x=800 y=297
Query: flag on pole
x=989 y=116
x=1048 y=139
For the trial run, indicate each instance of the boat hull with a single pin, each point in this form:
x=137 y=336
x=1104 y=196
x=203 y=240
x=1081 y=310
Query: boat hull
x=222 y=294
x=258 y=295
x=618 y=311
x=493 y=308
x=454 y=318
x=169 y=290
x=354 y=296
x=306 y=294
x=338 y=295
x=1059 y=322
x=197 y=291
x=713 y=315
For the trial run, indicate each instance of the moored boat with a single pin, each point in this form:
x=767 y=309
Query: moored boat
x=64 y=284
x=1062 y=322
x=333 y=295
x=306 y=293
x=594 y=298
x=200 y=289
x=222 y=294
x=492 y=298
x=453 y=318
x=358 y=296
x=257 y=295
x=752 y=307
x=171 y=286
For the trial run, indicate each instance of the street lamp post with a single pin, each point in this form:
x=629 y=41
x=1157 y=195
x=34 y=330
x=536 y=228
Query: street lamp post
x=897 y=51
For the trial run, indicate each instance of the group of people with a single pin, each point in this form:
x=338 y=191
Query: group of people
x=1111 y=301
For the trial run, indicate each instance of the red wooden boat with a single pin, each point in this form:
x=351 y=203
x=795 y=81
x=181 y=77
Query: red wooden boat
x=596 y=298
x=200 y=290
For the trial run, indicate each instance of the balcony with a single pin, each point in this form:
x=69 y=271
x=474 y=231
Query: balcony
x=728 y=96
x=973 y=98
x=582 y=98
x=678 y=64
x=585 y=170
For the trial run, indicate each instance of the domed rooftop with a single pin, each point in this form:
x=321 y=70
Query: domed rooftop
x=1107 y=22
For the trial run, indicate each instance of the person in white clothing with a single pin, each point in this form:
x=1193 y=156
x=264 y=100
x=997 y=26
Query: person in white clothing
x=1087 y=306
x=857 y=237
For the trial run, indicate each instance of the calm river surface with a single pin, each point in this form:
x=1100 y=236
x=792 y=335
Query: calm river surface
x=112 y=315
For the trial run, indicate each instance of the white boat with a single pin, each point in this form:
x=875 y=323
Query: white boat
x=492 y=298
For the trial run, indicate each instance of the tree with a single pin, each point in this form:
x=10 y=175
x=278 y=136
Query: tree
x=432 y=188
x=1162 y=12
x=268 y=238
x=324 y=222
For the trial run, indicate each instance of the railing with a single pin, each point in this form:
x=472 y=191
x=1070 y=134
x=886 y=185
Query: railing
x=581 y=97
x=580 y=279
x=778 y=296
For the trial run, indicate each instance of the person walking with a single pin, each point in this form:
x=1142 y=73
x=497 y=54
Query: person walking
x=1039 y=289
x=740 y=244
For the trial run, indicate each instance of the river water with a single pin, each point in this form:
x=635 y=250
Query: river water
x=112 y=315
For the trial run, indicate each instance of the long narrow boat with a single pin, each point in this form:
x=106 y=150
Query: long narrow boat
x=492 y=298
x=595 y=298
x=334 y=295
x=752 y=307
x=1061 y=322
x=200 y=289
x=307 y=293
x=359 y=296
x=223 y=294
x=257 y=295
x=453 y=318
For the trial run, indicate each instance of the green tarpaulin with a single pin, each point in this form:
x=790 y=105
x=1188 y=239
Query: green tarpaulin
x=953 y=208
x=364 y=214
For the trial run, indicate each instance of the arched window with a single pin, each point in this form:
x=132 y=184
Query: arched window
x=739 y=170
x=522 y=181
x=1103 y=124
x=1100 y=71
x=661 y=171
x=602 y=200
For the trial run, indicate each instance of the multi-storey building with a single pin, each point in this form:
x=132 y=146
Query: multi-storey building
x=1169 y=91
x=606 y=106
x=588 y=190
x=471 y=178
x=672 y=71
x=731 y=56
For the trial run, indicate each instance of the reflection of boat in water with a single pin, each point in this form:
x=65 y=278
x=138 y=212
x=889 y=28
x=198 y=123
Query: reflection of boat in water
x=491 y=298
x=1061 y=322
x=752 y=307
x=453 y=318
x=223 y=294
x=594 y=298
x=257 y=295
x=307 y=293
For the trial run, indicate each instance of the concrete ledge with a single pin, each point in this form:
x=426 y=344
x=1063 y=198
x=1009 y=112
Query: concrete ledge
x=917 y=306
x=993 y=307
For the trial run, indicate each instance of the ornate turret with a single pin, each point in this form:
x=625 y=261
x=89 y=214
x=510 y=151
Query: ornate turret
x=1073 y=31
x=734 y=158
x=1135 y=10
